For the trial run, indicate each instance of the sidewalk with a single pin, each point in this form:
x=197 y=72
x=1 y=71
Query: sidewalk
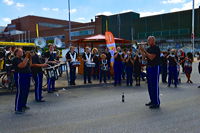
x=62 y=83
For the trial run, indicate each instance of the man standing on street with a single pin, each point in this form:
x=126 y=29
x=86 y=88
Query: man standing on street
x=153 y=61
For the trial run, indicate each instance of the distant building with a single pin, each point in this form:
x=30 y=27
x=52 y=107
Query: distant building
x=170 y=29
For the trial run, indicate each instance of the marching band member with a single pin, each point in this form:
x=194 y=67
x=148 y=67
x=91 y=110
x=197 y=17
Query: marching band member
x=95 y=58
x=71 y=56
x=124 y=55
x=51 y=60
x=108 y=57
x=118 y=66
x=137 y=69
x=87 y=57
x=153 y=61
x=22 y=77
x=172 y=68
x=129 y=69
x=163 y=66
x=188 y=66
x=37 y=73
x=103 y=68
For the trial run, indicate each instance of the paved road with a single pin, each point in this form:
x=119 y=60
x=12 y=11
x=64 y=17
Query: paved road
x=100 y=110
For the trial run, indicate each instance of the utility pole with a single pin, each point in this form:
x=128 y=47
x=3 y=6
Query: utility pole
x=69 y=23
x=193 y=35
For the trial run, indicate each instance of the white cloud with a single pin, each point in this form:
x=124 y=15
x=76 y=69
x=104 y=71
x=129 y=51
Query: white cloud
x=125 y=11
x=55 y=9
x=81 y=19
x=173 y=1
x=104 y=13
x=73 y=10
x=8 y=2
x=50 y=9
x=186 y=6
x=45 y=9
x=7 y=20
x=144 y=14
x=20 y=5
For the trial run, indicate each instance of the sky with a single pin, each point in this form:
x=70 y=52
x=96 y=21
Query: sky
x=85 y=10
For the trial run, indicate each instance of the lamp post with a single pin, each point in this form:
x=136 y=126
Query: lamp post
x=193 y=28
x=69 y=23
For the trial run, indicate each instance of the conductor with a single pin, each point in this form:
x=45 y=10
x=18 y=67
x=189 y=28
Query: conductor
x=153 y=61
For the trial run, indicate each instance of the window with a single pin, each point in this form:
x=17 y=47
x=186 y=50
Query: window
x=12 y=26
x=51 y=25
x=82 y=33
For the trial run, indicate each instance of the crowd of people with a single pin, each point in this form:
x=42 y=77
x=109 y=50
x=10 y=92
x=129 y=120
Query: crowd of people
x=144 y=63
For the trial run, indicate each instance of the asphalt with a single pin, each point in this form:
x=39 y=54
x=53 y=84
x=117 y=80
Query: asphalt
x=98 y=109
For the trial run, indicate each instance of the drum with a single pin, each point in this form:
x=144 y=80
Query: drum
x=63 y=67
x=75 y=63
x=90 y=64
x=50 y=72
x=56 y=68
x=104 y=68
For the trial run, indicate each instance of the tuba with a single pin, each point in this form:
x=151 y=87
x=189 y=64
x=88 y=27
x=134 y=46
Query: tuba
x=41 y=43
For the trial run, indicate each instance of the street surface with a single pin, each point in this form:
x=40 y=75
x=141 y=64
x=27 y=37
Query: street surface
x=100 y=110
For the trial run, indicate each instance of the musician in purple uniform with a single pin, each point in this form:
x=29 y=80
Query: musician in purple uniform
x=51 y=58
x=118 y=56
x=37 y=73
x=153 y=61
x=22 y=77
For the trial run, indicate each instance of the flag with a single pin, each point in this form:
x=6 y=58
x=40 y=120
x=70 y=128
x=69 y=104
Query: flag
x=110 y=42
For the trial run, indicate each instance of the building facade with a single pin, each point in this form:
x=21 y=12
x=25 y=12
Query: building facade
x=170 y=29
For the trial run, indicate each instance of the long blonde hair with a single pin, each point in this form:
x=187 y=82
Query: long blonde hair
x=94 y=49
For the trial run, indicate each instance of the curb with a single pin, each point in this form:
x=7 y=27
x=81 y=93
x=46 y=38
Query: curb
x=60 y=88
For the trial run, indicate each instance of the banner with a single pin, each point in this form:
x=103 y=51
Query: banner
x=110 y=42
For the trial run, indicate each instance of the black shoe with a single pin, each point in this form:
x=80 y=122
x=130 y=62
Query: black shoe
x=50 y=91
x=198 y=86
x=74 y=83
x=25 y=108
x=154 y=106
x=40 y=101
x=115 y=84
x=168 y=86
x=175 y=86
x=89 y=82
x=149 y=104
x=19 y=112
x=84 y=82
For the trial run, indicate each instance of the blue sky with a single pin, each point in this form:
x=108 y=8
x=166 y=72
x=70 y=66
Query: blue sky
x=84 y=10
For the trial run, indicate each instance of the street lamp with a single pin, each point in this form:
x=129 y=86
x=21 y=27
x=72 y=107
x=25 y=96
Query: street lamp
x=69 y=23
x=193 y=28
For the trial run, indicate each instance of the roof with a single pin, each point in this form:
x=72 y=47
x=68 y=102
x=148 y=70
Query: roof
x=98 y=39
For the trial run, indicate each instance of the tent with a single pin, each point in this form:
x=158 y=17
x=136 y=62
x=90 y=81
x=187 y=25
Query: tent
x=98 y=39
